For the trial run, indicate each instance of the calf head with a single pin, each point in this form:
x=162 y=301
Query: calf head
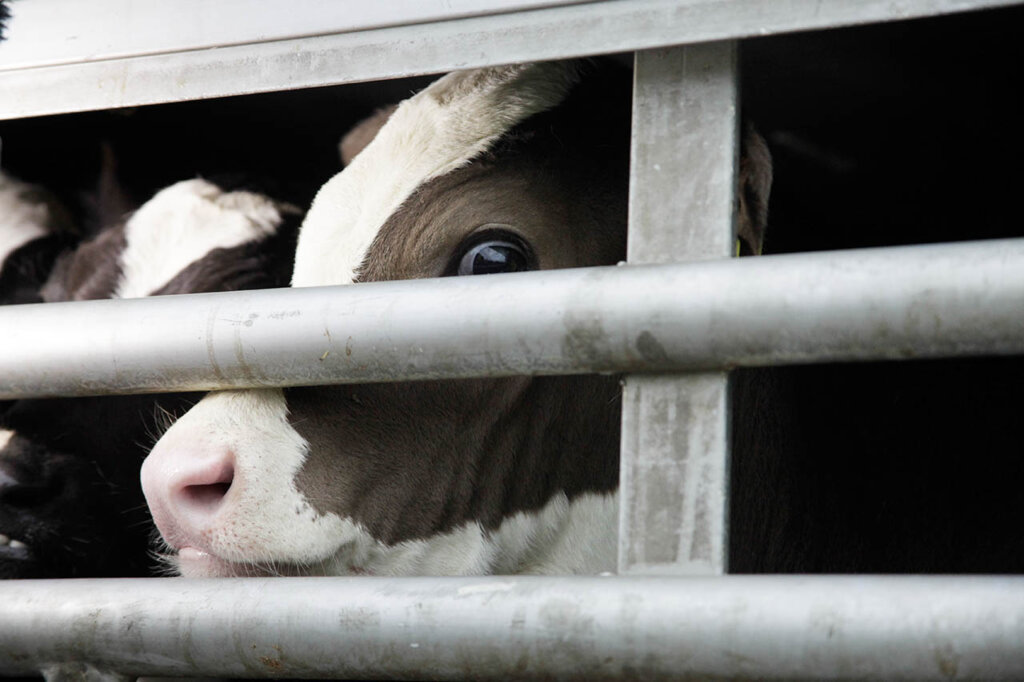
x=70 y=501
x=497 y=170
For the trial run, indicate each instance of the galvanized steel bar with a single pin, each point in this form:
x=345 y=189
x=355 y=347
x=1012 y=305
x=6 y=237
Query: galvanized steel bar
x=895 y=303
x=675 y=437
x=586 y=628
x=683 y=154
x=68 y=31
x=551 y=33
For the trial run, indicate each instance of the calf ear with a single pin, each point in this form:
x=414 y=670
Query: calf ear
x=110 y=203
x=754 y=188
x=90 y=272
x=364 y=132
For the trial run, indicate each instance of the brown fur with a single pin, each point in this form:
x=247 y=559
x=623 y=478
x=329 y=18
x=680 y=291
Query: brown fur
x=754 y=187
x=411 y=460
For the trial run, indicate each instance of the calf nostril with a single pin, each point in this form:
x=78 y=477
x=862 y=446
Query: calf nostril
x=205 y=492
x=206 y=497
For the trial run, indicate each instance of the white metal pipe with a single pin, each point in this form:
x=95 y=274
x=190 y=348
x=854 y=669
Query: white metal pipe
x=435 y=47
x=907 y=302
x=589 y=628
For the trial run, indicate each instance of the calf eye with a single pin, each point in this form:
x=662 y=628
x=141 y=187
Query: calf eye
x=490 y=253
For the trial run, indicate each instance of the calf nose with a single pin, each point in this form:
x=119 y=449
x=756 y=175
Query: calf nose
x=185 y=489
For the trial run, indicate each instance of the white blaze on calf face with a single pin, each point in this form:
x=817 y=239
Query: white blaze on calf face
x=221 y=482
x=184 y=222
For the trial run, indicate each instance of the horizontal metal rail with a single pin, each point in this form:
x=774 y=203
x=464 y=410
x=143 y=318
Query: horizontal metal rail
x=894 y=303
x=65 y=31
x=754 y=627
x=551 y=33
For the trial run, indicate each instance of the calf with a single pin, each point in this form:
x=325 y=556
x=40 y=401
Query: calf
x=34 y=230
x=497 y=170
x=70 y=501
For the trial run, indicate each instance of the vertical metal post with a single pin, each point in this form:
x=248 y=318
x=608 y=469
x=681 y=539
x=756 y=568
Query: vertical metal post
x=675 y=428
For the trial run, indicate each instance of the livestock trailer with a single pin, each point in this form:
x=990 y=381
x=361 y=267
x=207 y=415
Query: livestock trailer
x=877 y=113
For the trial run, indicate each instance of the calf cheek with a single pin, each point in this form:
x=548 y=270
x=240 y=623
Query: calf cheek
x=391 y=457
x=408 y=461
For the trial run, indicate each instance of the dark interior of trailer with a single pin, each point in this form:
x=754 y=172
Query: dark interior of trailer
x=894 y=134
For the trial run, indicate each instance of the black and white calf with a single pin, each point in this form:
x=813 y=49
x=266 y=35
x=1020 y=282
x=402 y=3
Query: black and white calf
x=34 y=230
x=70 y=500
x=496 y=170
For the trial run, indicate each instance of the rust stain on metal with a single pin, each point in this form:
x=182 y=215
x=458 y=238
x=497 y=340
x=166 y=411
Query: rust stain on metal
x=948 y=661
x=651 y=349
x=585 y=341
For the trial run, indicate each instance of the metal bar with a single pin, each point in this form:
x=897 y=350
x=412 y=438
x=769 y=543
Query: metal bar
x=683 y=154
x=675 y=437
x=733 y=627
x=893 y=303
x=552 y=33
x=66 y=31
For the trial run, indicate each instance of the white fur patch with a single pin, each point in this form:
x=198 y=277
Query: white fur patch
x=21 y=219
x=5 y=437
x=183 y=223
x=562 y=538
x=441 y=128
x=578 y=536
